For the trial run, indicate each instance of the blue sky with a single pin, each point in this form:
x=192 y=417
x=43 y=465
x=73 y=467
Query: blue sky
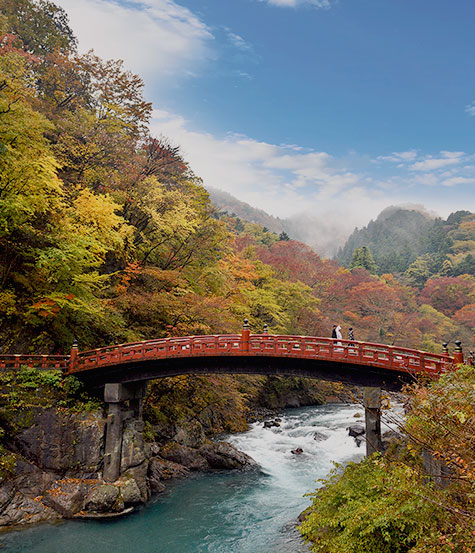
x=334 y=108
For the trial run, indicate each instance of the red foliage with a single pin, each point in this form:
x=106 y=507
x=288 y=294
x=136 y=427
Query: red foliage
x=466 y=315
x=297 y=261
x=448 y=294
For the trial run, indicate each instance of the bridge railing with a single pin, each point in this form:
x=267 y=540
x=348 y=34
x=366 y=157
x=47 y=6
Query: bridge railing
x=348 y=351
x=44 y=362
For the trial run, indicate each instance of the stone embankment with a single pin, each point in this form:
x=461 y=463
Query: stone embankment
x=58 y=473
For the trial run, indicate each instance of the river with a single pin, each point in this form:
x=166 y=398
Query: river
x=253 y=512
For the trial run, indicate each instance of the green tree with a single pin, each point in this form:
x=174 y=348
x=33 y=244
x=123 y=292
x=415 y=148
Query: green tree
x=363 y=259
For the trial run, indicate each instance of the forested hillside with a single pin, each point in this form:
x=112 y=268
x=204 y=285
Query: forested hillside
x=417 y=245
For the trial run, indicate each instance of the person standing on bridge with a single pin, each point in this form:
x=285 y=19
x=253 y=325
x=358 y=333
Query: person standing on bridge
x=351 y=334
x=338 y=334
x=334 y=332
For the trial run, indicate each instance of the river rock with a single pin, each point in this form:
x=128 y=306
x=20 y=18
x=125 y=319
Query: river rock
x=103 y=499
x=24 y=510
x=319 y=436
x=223 y=455
x=139 y=474
x=191 y=434
x=160 y=470
x=355 y=430
x=183 y=455
x=271 y=424
x=130 y=492
x=66 y=497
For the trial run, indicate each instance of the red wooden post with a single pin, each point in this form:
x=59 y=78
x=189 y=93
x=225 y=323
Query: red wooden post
x=245 y=336
x=458 y=353
x=73 y=355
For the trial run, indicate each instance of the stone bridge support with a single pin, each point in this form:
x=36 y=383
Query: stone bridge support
x=125 y=402
x=372 y=408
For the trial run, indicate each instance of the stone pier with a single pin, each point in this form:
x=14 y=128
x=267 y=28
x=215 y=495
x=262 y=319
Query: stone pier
x=372 y=407
x=125 y=402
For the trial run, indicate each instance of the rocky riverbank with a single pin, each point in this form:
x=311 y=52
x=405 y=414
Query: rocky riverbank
x=59 y=463
x=52 y=440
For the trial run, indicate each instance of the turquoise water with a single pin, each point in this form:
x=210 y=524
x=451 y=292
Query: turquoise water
x=251 y=512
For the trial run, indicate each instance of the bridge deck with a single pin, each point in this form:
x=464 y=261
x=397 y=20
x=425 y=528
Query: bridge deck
x=237 y=345
x=302 y=347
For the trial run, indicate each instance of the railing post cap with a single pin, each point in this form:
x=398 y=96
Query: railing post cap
x=246 y=323
x=458 y=343
x=75 y=343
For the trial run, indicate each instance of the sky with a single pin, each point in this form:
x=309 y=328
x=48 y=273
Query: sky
x=333 y=108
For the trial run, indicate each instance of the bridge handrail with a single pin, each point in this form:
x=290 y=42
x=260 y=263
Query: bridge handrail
x=368 y=353
x=271 y=345
x=10 y=361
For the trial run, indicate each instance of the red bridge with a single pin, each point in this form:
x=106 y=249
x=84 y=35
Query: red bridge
x=359 y=363
x=123 y=371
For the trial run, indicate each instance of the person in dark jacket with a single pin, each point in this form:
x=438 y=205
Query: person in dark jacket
x=351 y=334
x=334 y=331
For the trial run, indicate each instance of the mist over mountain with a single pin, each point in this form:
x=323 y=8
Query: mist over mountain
x=226 y=202
x=325 y=236
x=402 y=238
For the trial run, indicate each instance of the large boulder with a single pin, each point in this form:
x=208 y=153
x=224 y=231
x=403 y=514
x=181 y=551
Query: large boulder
x=355 y=430
x=183 y=455
x=191 y=434
x=160 y=470
x=104 y=498
x=222 y=455
x=66 y=497
x=166 y=470
x=130 y=492
x=139 y=474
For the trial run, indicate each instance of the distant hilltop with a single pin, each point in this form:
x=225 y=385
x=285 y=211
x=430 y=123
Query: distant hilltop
x=324 y=236
x=399 y=237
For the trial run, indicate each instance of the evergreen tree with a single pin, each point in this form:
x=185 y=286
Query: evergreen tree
x=284 y=236
x=362 y=258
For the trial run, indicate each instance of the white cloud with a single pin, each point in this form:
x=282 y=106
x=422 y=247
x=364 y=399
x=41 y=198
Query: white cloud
x=324 y=199
x=238 y=42
x=155 y=38
x=286 y=180
x=470 y=109
x=433 y=163
x=398 y=157
x=454 y=181
x=277 y=178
